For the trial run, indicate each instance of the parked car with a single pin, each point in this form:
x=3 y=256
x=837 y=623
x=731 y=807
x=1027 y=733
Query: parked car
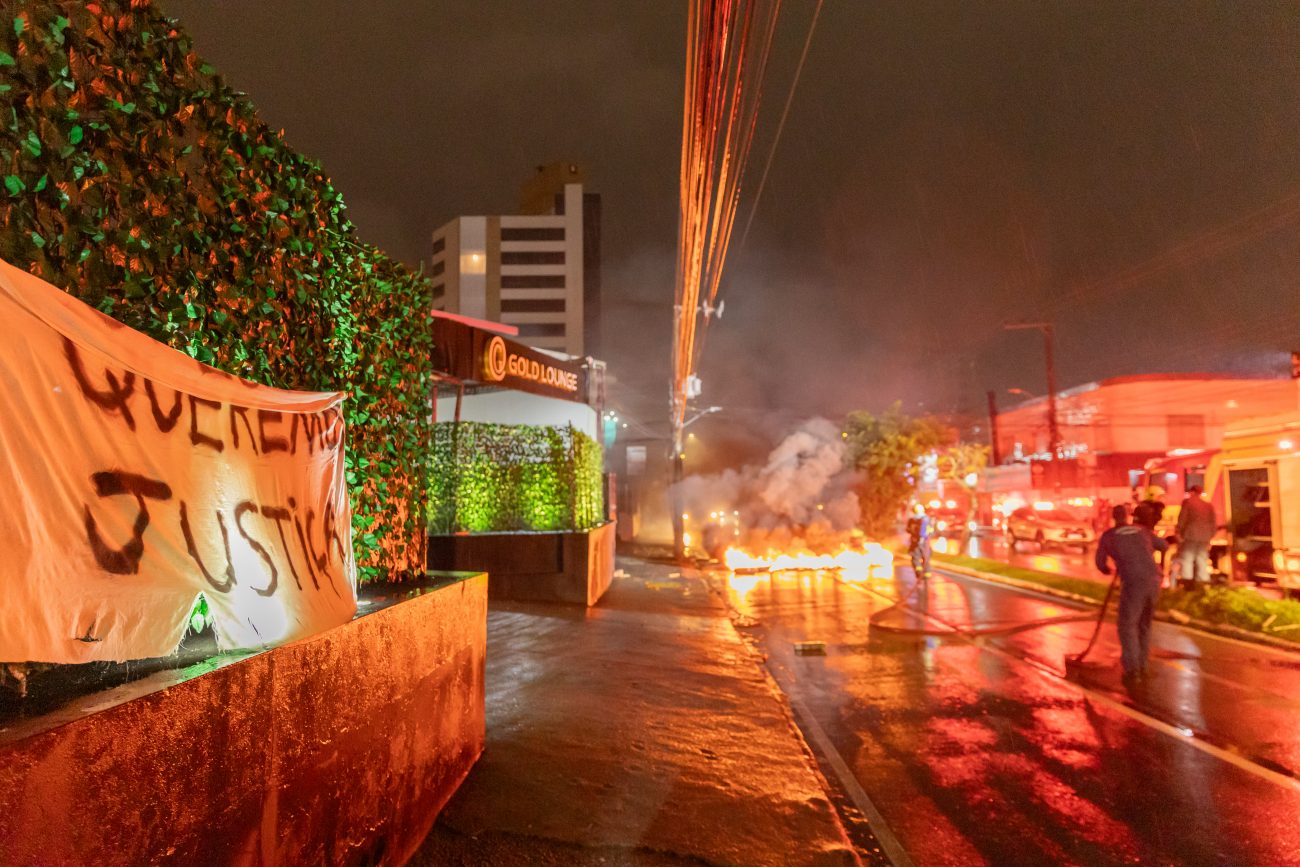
x=949 y=522
x=1049 y=527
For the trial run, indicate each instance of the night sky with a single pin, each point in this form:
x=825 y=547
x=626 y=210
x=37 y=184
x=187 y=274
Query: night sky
x=1130 y=171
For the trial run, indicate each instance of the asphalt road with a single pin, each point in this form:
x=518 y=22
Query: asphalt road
x=973 y=747
x=1052 y=558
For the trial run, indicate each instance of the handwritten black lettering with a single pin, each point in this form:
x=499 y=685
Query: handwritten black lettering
x=220 y=587
x=112 y=400
x=240 y=510
x=241 y=413
x=302 y=541
x=166 y=421
x=201 y=438
x=322 y=561
x=271 y=443
x=125 y=560
x=280 y=515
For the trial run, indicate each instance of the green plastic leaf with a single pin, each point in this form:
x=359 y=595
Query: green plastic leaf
x=20 y=24
x=14 y=184
x=74 y=135
x=33 y=144
x=6 y=59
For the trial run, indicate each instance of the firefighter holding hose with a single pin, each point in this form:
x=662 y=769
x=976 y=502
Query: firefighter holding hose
x=1131 y=548
x=920 y=530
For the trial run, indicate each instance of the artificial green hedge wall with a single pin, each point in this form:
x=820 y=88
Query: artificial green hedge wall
x=494 y=477
x=137 y=180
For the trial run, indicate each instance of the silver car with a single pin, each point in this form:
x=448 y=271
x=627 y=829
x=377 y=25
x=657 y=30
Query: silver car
x=1049 y=527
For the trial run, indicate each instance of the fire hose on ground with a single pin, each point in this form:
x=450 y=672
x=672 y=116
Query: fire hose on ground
x=974 y=631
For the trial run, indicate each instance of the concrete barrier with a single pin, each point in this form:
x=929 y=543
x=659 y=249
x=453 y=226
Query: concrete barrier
x=575 y=567
x=337 y=749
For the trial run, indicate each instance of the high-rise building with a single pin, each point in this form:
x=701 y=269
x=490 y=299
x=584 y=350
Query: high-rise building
x=538 y=270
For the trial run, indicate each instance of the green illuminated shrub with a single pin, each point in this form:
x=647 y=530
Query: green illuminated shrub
x=137 y=180
x=496 y=478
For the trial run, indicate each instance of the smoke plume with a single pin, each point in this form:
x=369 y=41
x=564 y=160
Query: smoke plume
x=801 y=497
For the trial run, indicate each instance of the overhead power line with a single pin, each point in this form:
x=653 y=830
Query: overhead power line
x=728 y=43
x=780 y=127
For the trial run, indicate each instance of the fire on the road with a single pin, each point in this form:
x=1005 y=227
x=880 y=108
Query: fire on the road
x=868 y=560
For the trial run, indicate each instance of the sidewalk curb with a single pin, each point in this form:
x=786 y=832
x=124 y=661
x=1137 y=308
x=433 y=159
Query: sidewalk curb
x=1015 y=582
x=1222 y=630
x=759 y=659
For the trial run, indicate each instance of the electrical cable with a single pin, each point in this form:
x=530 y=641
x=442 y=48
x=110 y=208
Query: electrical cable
x=767 y=166
x=780 y=127
x=728 y=47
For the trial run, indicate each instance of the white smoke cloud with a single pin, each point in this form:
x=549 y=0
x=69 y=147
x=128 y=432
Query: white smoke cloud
x=801 y=496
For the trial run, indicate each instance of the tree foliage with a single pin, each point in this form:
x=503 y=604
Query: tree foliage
x=137 y=180
x=887 y=449
x=891 y=449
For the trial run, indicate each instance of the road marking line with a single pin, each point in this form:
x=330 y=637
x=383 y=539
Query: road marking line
x=1187 y=736
x=1184 y=735
x=894 y=850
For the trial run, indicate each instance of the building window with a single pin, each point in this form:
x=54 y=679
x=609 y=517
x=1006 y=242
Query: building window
x=541 y=329
x=439 y=290
x=520 y=234
x=555 y=258
x=527 y=281
x=438 y=268
x=532 y=305
x=1186 y=431
x=439 y=244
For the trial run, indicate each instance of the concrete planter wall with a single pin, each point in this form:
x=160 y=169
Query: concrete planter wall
x=337 y=749
x=574 y=567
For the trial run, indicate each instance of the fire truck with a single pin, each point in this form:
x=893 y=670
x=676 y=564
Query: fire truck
x=1254 y=484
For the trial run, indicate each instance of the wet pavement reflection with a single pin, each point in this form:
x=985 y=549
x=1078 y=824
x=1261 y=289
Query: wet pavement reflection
x=975 y=749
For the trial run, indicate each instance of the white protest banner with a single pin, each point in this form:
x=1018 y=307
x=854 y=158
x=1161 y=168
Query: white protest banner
x=133 y=478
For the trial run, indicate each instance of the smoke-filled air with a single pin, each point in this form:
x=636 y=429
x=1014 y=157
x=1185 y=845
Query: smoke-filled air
x=802 y=497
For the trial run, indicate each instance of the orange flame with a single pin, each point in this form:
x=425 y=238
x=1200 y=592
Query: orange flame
x=869 y=560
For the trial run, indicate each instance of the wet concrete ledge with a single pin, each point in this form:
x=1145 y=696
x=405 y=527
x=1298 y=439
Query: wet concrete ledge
x=340 y=748
x=572 y=567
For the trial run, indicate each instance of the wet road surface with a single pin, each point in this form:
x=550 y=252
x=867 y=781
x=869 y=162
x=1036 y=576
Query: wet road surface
x=1056 y=559
x=974 y=748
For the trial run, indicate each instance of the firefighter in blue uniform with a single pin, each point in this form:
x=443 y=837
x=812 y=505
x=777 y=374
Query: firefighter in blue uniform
x=920 y=529
x=1132 y=549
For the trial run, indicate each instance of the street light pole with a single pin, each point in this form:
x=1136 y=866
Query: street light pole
x=678 y=458
x=994 y=452
x=1049 y=340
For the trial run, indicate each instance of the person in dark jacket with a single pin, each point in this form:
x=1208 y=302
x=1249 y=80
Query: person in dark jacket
x=1152 y=508
x=1197 y=525
x=1131 y=548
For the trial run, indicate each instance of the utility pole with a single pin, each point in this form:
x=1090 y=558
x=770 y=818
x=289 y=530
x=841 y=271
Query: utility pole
x=994 y=456
x=679 y=457
x=1049 y=339
x=679 y=522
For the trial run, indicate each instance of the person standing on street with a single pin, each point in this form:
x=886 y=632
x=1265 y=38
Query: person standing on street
x=1131 y=548
x=1151 y=509
x=919 y=531
x=1197 y=524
